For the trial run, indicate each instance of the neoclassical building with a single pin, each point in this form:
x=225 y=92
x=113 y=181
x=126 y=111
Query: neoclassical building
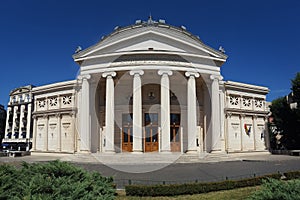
x=149 y=87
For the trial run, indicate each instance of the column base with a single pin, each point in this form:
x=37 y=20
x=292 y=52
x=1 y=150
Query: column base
x=165 y=151
x=85 y=151
x=192 y=152
x=137 y=152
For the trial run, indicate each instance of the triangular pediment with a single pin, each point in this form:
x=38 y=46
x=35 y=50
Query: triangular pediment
x=149 y=39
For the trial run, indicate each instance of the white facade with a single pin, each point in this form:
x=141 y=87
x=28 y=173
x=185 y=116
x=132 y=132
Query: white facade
x=18 y=131
x=149 y=87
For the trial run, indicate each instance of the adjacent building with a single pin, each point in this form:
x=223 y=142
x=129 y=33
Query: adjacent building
x=19 y=123
x=147 y=87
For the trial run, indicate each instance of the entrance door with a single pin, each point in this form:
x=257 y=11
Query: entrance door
x=175 y=132
x=151 y=132
x=127 y=137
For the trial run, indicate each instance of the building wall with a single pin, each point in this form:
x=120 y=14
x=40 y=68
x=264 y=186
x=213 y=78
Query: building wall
x=245 y=112
x=54 y=115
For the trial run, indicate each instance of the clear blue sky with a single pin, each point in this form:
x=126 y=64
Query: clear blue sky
x=38 y=38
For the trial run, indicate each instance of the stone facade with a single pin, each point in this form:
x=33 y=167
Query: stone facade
x=149 y=87
x=54 y=117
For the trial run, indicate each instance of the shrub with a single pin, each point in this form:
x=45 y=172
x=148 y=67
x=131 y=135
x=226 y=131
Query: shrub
x=193 y=188
x=292 y=175
x=53 y=180
x=278 y=190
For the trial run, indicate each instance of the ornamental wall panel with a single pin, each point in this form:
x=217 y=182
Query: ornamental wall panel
x=259 y=104
x=41 y=104
x=53 y=102
x=67 y=134
x=66 y=101
x=248 y=134
x=234 y=133
x=260 y=134
x=40 y=135
x=52 y=133
x=234 y=101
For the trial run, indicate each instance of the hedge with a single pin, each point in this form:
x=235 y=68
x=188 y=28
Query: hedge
x=53 y=180
x=196 y=188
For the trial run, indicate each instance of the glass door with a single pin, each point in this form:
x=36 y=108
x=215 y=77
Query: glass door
x=127 y=137
x=151 y=132
x=175 y=132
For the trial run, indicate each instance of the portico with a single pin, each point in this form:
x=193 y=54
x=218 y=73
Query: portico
x=150 y=110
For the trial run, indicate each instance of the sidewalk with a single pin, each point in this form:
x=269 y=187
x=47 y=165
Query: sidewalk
x=149 y=158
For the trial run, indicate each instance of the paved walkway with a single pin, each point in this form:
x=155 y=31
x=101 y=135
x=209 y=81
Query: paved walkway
x=172 y=168
x=148 y=158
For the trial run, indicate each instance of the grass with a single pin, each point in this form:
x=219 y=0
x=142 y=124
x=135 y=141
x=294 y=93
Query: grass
x=236 y=194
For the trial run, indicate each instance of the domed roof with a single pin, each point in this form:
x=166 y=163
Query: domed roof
x=150 y=30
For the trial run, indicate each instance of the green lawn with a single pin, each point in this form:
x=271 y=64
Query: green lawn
x=236 y=194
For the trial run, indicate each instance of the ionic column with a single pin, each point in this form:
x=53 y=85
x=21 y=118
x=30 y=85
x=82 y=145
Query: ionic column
x=110 y=111
x=58 y=116
x=85 y=133
x=165 y=110
x=215 y=113
x=191 y=111
x=137 y=111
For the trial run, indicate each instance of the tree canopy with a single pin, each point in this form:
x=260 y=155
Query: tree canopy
x=287 y=118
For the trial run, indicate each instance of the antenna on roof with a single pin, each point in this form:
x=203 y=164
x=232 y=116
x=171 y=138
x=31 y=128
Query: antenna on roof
x=78 y=49
x=183 y=27
x=221 y=49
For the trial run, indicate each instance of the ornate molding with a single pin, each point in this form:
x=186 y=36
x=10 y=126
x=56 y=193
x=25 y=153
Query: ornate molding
x=167 y=72
x=216 y=77
x=136 y=72
x=194 y=74
x=84 y=77
x=109 y=74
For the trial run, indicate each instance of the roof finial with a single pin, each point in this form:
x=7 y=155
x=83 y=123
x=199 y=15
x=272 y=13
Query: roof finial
x=150 y=21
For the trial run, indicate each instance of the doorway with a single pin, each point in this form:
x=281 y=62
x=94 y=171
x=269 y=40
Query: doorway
x=127 y=137
x=151 y=132
x=175 y=139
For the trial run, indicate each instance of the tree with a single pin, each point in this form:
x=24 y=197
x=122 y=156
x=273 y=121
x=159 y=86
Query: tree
x=286 y=119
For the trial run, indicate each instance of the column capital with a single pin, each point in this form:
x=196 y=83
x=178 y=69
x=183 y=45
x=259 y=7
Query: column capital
x=194 y=74
x=139 y=72
x=216 y=77
x=106 y=74
x=84 y=77
x=167 y=72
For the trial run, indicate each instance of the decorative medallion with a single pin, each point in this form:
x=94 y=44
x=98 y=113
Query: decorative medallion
x=246 y=102
x=234 y=100
x=67 y=100
x=53 y=101
x=42 y=103
x=258 y=103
